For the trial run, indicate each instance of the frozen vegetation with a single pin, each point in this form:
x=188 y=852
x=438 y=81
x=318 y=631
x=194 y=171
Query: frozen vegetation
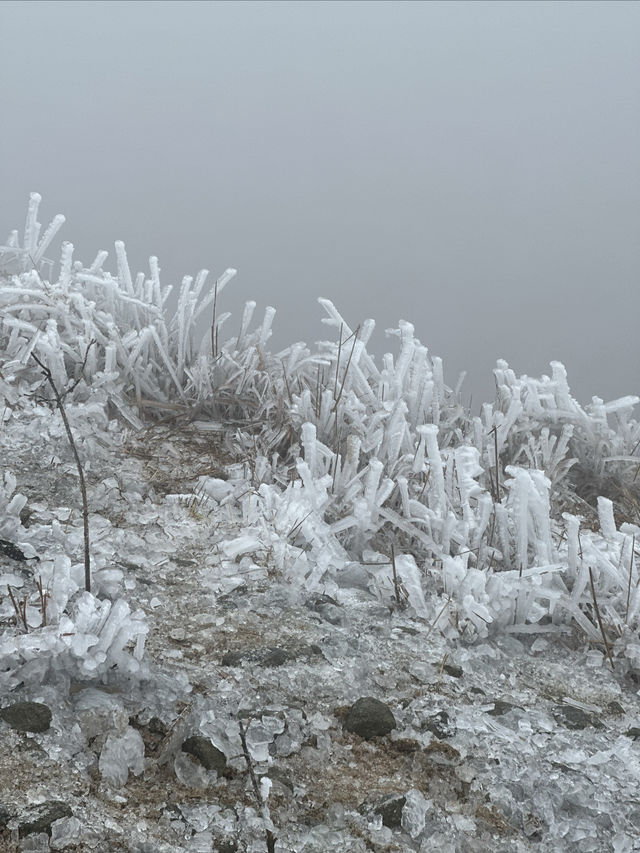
x=273 y=537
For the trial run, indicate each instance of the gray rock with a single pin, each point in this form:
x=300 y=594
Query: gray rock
x=275 y=657
x=268 y=657
x=500 y=708
x=326 y=607
x=27 y=716
x=226 y=846
x=5 y=816
x=282 y=778
x=206 y=753
x=439 y=725
x=575 y=718
x=40 y=818
x=391 y=811
x=368 y=718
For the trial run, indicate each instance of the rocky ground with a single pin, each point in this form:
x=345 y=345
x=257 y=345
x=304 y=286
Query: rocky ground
x=364 y=727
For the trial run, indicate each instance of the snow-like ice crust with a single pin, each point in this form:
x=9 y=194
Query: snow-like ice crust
x=344 y=459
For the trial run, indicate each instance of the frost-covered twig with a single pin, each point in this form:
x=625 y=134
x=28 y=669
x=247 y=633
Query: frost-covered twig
x=269 y=835
x=597 y=610
x=83 y=488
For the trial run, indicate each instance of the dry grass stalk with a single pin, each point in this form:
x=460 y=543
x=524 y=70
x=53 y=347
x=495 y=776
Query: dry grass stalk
x=83 y=487
x=270 y=837
x=20 y=608
x=597 y=610
x=286 y=382
x=633 y=548
x=497 y=480
x=214 y=328
x=396 y=584
x=346 y=370
x=44 y=600
x=335 y=384
x=435 y=621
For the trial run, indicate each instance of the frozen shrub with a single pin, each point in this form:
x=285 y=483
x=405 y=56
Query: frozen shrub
x=347 y=456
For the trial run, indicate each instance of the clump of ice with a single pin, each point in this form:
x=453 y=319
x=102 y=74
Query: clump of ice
x=191 y=773
x=344 y=457
x=65 y=832
x=414 y=812
x=120 y=754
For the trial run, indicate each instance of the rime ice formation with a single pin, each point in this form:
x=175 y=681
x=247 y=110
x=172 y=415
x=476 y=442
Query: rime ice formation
x=361 y=495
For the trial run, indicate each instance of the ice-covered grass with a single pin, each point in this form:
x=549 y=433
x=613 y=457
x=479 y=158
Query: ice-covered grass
x=346 y=457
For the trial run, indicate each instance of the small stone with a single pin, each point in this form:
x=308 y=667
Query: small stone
x=157 y=727
x=438 y=724
x=575 y=718
x=206 y=753
x=27 y=716
x=500 y=708
x=232 y=658
x=453 y=670
x=268 y=657
x=326 y=607
x=442 y=753
x=275 y=657
x=41 y=817
x=226 y=847
x=391 y=811
x=12 y=551
x=276 y=774
x=405 y=745
x=368 y=718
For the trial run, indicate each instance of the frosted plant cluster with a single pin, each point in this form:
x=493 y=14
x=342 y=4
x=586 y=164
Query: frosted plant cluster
x=410 y=547
x=346 y=458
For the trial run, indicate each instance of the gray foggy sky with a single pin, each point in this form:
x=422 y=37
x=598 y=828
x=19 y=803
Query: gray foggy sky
x=471 y=167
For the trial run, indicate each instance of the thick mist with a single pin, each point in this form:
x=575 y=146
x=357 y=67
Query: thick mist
x=471 y=167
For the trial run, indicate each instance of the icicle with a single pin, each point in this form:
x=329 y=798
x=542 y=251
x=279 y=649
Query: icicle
x=352 y=458
x=165 y=357
x=184 y=320
x=480 y=523
x=124 y=273
x=410 y=576
x=372 y=478
x=155 y=279
x=54 y=226
x=96 y=266
x=607 y=520
x=394 y=434
x=519 y=501
x=309 y=444
x=572 y=524
x=32 y=227
x=265 y=329
x=64 y=279
x=247 y=314
x=563 y=395
x=403 y=488
x=418 y=460
x=404 y=359
x=436 y=480
x=110 y=357
x=540 y=510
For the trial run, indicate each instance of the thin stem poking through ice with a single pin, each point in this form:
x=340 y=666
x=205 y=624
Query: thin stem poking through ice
x=83 y=488
x=597 y=609
x=270 y=837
